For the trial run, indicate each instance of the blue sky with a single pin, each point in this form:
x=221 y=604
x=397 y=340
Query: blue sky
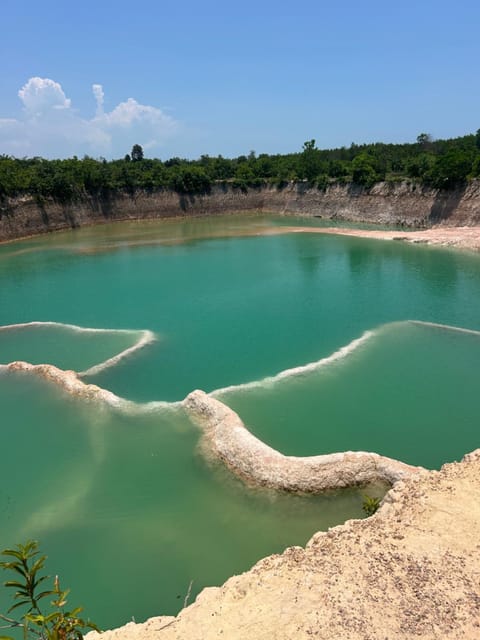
x=186 y=78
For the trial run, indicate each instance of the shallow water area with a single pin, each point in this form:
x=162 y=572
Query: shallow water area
x=120 y=502
x=215 y=303
x=65 y=346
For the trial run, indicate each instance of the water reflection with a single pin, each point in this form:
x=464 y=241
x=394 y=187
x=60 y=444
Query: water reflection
x=435 y=268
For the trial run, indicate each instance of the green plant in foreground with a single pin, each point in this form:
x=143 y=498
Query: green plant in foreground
x=370 y=505
x=54 y=624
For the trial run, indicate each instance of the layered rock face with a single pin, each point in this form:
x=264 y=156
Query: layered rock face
x=410 y=571
x=398 y=203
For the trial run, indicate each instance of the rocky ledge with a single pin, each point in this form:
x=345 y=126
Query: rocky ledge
x=410 y=571
x=226 y=438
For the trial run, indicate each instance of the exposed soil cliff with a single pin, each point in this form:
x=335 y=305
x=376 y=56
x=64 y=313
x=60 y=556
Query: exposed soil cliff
x=410 y=571
x=399 y=203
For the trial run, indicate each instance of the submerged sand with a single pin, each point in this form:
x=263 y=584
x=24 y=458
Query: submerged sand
x=457 y=237
x=467 y=237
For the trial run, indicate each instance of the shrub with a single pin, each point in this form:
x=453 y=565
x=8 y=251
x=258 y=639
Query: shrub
x=36 y=622
x=370 y=505
x=363 y=171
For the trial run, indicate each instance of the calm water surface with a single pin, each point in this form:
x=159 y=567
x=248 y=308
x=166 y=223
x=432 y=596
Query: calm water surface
x=125 y=507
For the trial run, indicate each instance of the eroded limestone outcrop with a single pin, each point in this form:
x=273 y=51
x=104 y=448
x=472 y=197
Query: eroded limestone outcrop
x=226 y=437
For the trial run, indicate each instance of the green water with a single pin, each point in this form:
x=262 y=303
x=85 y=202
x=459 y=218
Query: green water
x=409 y=392
x=125 y=507
x=65 y=347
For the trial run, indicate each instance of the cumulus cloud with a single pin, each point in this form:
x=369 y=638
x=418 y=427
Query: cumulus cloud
x=39 y=95
x=49 y=125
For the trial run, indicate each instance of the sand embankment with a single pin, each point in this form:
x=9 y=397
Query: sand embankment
x=410 y=571
x=397 y=203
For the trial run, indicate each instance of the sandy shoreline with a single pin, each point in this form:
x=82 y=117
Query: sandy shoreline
x=458 y=237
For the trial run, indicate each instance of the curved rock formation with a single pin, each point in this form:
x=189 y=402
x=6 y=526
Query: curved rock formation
x=226 y=437
x=68 y=381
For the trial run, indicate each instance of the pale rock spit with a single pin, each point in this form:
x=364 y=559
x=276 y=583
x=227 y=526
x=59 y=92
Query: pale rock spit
x=226 y=437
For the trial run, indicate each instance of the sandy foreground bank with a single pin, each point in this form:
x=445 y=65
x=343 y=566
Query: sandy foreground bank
x=410 y=571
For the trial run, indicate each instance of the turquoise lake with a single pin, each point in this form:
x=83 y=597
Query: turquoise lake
x=122 y=502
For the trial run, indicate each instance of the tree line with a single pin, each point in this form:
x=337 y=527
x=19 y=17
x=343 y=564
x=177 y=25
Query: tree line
x=442 y=164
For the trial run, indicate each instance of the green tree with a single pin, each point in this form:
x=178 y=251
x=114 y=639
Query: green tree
x=451 y=169
x=419 y=166
x=476 y=167
x=337 y=169
x=363 y=170
x=189 y=180
x=310 y=161
x=424 y=139
x=137 y=153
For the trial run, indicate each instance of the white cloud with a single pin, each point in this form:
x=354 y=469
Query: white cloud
x=50 y=127
x=99 y=96
x=131 y=111
x=40 y=95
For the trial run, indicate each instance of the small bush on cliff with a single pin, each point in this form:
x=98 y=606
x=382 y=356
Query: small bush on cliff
x=363 y=170
x=451 y=169
x=52 y=623
x=322 y=182
x=189 y=180
x=370 y=505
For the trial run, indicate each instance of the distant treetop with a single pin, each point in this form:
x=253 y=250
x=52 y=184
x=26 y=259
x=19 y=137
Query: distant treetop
x=137 y=153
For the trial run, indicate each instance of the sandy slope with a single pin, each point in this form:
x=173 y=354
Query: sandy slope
x=410 y=571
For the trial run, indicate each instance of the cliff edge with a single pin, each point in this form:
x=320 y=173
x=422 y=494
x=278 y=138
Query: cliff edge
x=410 y=571
x=399 y=203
